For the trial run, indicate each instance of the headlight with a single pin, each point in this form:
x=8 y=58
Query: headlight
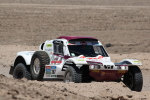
x=118 y=67
x=91 y=66
x=123 y=67
x=97 y=66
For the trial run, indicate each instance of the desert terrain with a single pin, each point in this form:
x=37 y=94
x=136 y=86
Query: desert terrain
x=25 y=24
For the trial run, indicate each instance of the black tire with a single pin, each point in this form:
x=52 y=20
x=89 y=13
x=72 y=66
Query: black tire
x=134 y=79
x=43 y=59
x=73 y=74
x=86 y=78
x=21 y=71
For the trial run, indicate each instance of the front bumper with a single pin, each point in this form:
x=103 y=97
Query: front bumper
x=107 y=75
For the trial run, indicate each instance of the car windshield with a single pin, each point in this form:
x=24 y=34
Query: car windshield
x=87 y=50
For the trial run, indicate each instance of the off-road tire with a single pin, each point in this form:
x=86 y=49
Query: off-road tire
x=86 y=78
x=44 y=60
x=76 y=76
x=135 y=75
x=21 y=71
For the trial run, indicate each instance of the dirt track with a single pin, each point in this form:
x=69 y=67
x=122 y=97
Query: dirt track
x=24 y=24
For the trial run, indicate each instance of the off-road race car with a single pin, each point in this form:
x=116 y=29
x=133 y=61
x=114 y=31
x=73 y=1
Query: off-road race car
x=76 y=59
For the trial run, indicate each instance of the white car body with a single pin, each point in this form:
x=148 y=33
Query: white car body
x=55 y=68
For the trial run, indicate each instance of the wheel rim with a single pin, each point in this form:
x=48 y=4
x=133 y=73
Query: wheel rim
x=36 y=66
x=68 y=77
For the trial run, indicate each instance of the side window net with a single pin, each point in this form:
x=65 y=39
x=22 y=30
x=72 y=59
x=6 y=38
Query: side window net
x=58 y=48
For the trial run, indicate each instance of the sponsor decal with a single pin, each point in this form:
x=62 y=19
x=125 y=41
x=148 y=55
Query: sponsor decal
x=53 y=67
x=48 y=67
x=81 y=60
x=50 y=70
x=137 y=61
x=48 y=45
x=53 y=75
x=81 y=56
x=99 y=57
x=53 y=62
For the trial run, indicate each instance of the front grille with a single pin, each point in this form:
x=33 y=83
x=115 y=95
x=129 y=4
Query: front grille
x=108 y=66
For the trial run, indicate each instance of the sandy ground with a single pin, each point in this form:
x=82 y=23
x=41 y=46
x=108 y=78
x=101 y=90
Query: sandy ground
x=24 y=24
x=23 y=89
x=31 y=24
x=34 y=90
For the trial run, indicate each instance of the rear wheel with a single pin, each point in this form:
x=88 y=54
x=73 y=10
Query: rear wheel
x=72 y=75
x=21 y=71
x=134 y=79
x=38 y=62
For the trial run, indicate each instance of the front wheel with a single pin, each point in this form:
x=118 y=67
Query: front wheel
x=134 y=79
x=73 y=75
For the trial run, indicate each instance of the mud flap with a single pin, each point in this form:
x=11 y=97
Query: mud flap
x=11 y=70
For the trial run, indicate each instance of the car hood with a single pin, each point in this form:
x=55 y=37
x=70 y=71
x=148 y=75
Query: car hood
x=89 y=60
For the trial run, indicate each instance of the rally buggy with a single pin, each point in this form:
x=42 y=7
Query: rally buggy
x=76 y=59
